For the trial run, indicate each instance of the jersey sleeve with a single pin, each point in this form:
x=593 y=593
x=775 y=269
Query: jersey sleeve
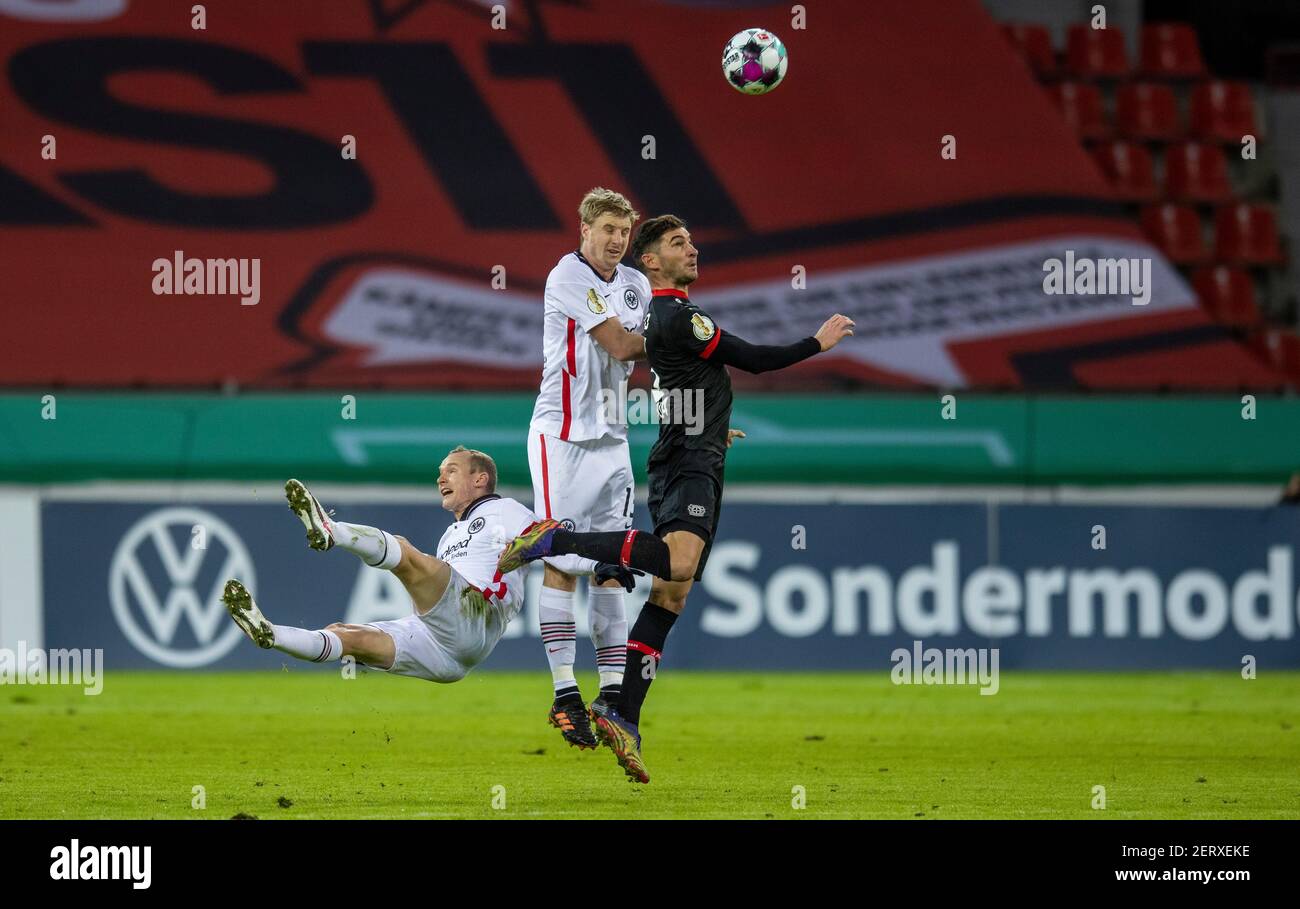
x=580 y=302
x=515 y=516
x=755 y=358
x=694 y=331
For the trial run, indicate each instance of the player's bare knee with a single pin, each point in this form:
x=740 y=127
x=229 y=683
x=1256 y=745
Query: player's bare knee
x=684 y=549
x=558 y=580
x=347 y=634
x=411 y=558
x=683 y=566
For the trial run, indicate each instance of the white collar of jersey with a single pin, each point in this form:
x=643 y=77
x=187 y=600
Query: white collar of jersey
x=475 y=504
x=583 y=260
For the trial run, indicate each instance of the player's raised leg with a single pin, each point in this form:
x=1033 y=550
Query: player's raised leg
x=424 y=576
x=377 y=548
x=367 y=645
x=637 y=549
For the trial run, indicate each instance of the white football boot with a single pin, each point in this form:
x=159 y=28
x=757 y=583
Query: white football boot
x=320 y=531
x=240 y=605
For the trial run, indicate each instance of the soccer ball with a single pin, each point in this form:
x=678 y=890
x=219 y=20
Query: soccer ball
x=754 y=61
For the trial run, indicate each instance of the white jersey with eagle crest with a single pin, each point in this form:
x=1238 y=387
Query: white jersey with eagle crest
x=576 y=369
x=457 y=633
x=471 y=547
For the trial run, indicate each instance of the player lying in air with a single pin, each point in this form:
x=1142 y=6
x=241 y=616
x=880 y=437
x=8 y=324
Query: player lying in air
x=689 y=355
x=461 y=602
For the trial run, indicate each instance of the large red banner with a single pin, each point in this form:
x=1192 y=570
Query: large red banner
x=908 y=172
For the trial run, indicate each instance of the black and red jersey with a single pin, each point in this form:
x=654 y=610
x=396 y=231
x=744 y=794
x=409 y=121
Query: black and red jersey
x=680 y=339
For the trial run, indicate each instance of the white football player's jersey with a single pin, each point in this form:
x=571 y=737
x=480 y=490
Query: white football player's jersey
x=576 y=369
x=471 y=546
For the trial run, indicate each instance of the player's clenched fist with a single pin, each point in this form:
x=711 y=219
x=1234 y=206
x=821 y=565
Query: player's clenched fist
x=833 y=331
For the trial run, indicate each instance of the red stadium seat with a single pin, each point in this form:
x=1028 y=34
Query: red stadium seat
x=1281 y=347
x=1096 y=53
x=1147 y=110
x=1176 y=231
x=1222 y=111
x=1247 y=234
x=1081 y=105
x=1035 y=46
x=1196 y=172
x=1228 y=294
x=1128 y=167
x=1170 y=51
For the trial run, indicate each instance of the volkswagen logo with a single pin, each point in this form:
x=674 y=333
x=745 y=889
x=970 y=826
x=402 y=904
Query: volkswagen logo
x=156 y=581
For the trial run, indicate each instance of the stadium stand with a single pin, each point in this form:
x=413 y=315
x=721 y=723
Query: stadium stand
x=1148 y=112
x=1170 y=51
x=1176 y=230
x=1172 y=146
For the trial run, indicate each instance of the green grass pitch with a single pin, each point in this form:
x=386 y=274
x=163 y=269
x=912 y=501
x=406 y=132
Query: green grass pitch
x=309 y=744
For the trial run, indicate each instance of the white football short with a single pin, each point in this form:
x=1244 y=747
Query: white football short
x=587 y=485
x=449 y=640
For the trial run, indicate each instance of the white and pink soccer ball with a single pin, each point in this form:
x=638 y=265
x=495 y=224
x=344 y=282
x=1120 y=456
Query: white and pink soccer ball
x=754 y=61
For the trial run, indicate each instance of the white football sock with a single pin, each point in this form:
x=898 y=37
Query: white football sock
x=377 y=548
x=608 y=632
x=559 y=637
x=314 y=646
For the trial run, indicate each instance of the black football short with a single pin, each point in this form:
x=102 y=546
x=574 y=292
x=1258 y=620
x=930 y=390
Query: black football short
x=685 y=493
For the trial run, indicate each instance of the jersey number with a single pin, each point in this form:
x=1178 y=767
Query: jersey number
x=657 y=395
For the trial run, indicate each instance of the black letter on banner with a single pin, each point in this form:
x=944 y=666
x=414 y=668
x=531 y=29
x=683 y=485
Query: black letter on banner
x=683 y=179
x=23 y=203
x=67 y=80
x=451 y=124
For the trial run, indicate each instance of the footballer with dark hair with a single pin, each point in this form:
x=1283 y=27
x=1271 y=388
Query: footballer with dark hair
x=688 y=354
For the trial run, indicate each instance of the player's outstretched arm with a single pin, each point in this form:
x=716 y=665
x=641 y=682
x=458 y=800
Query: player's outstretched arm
x=756 y=358
x=618 y=342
